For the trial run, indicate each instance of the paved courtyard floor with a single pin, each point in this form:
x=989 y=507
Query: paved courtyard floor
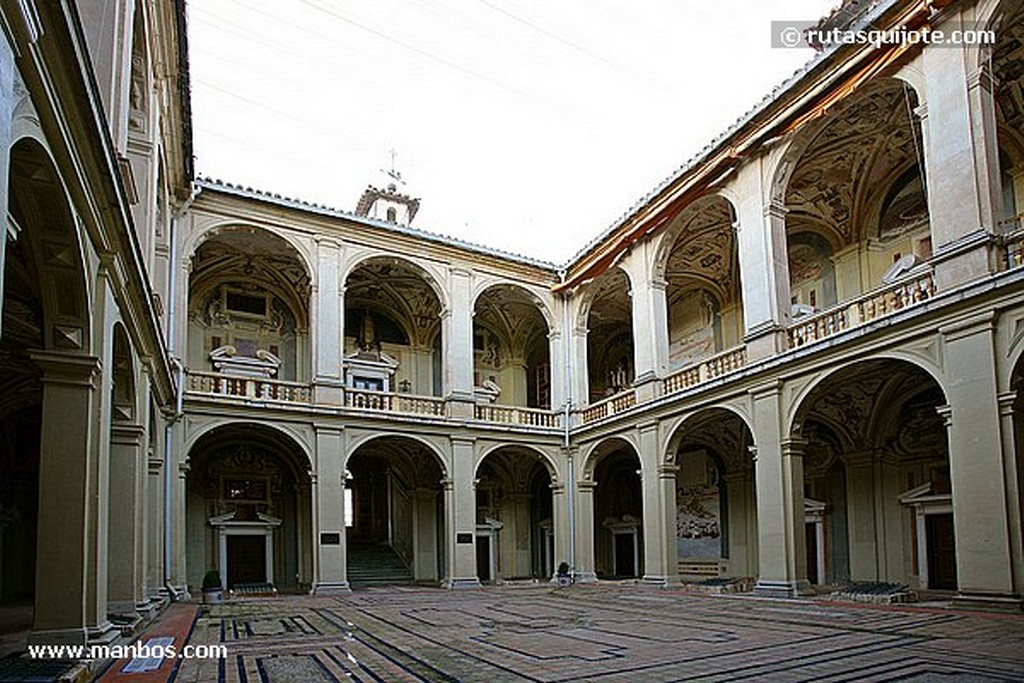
x=604 y=633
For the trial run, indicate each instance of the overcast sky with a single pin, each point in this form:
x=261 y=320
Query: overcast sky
x=525 y=125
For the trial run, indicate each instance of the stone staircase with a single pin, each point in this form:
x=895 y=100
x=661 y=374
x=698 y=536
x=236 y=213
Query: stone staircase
x=372 y=564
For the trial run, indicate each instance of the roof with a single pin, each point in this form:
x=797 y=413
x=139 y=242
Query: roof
x=331 y=212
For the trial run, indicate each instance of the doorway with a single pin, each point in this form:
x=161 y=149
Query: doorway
x=247 y=559
x=941 y=551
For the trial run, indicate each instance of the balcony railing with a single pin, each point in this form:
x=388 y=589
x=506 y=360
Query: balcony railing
x=256 y=389
x=381 y=401
x=622 y=401
x=864 y=309
x=532 y=417
x=1013 y=244
x=707 y=369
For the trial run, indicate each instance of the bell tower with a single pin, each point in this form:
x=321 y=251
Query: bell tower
x=388 y=204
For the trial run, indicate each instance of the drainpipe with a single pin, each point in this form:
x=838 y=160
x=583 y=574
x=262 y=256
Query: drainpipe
x=179 y=393
x=567 y=390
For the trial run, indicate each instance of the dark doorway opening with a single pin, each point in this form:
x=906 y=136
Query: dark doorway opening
x=247 y=559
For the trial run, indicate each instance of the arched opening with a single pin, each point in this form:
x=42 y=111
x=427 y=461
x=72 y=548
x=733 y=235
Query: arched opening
x=511 y=349
x=395 y=532
x=610 y=364
x=1017 y=408
x=716 y=504
x=44 y=447
x=249 y=294
x=249 y=509
x=618 y=511
x=514 y=532
x=1007 y=58
x=701 y=273
x=857 y=211
x=877 y=478
x=392 y=329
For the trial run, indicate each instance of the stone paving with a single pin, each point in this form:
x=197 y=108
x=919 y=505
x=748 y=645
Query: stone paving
x=603 y=633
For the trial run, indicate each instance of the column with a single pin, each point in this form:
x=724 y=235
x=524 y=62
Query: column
x=764 y=265
x=457 y=326
x=559 y=526
x=653 y=479
x=981 y=517
x=961 y=164
x=860 y=520
x=741 y=509
x=585 y=565
x=460 y=511
x=329 y=574
x=556 y=353
x=8 y=100
x=304 y=532
x=155 y=515
x=650 y=331
x=67 y=510
x=782 y=553
x=424 y=535
x=327 y=326
x=126 y=523
x=1014 y=478
x=580 y=373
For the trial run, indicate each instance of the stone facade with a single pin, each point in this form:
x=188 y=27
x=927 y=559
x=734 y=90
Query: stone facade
x=796 y=362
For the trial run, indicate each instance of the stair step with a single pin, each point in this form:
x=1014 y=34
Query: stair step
x=376 y=565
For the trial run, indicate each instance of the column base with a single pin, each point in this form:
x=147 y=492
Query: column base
x=330 y=588
x=62 y=636
x=585 y=577
x=782 y=589
x=462 y=583
x=989 y=602
x=104 y=634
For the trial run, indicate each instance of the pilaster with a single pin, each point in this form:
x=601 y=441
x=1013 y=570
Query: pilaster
x=981 y=516
x=327 y=331
x=65 y=612
x=782 y=553
x=328 y=493
x=460 y=508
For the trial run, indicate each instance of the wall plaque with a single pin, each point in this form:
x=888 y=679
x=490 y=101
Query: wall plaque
x=330 y=539
x=463 y=538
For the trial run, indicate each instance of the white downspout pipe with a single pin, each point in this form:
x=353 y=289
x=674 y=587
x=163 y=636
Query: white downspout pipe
x=179 y=397
x=567 y=417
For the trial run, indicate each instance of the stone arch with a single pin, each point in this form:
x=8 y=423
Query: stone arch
x=543 y=456
x=533 y=297
x=678 y=430
x=49 y=231
x=284 y=431
x=799 y=402
x=363 y=440
x=599 y=448
x=589 y=293
x=125 y=405
x=196 y=240
x=514 y=513
x=249 y=506
x=425 y=273
x=512 y=347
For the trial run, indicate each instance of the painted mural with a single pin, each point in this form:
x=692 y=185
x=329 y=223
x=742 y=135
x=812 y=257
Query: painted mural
x=698 y=508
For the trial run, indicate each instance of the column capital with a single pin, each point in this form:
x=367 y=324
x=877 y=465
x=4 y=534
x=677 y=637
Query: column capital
x=1006 y=401
x=946 y=413
x=667 y=470
x=127 y=434
x=69 y=369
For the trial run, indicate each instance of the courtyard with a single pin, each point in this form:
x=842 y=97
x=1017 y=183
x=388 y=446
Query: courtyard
x=600 y=633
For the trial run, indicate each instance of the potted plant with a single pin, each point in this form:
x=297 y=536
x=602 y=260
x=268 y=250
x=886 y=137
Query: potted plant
x=213 y=591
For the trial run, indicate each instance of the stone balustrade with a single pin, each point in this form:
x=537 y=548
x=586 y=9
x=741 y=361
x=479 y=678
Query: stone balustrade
x=862 y=310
